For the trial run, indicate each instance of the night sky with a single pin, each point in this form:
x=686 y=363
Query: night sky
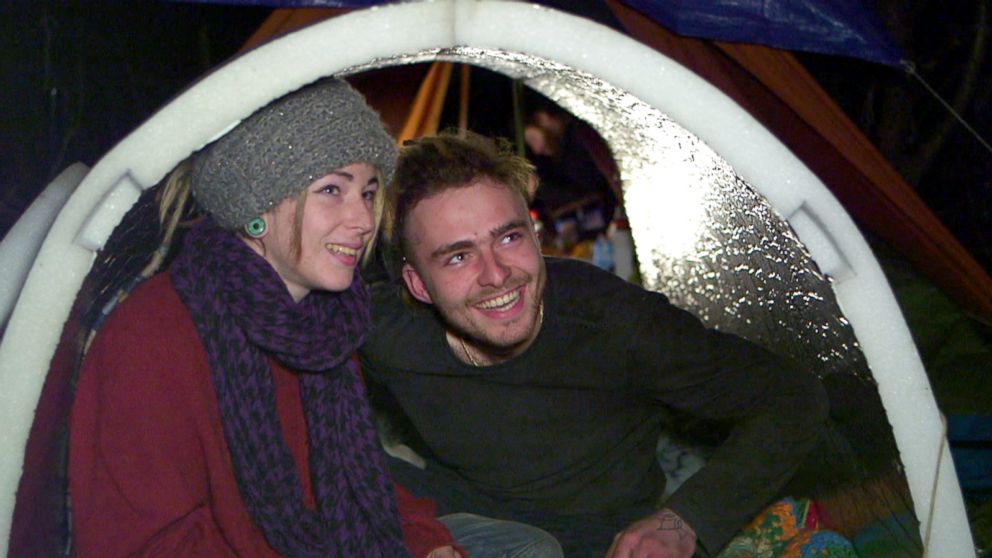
x=79 y=76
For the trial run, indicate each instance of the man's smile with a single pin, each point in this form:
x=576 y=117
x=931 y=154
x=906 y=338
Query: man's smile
x=501 y=303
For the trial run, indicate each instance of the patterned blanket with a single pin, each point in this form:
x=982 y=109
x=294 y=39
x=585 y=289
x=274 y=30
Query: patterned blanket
x=788 y=529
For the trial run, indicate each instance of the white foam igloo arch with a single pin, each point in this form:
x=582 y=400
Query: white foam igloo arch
x=440 y=28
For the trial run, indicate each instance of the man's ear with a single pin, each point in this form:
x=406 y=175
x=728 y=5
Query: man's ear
x=415 y=284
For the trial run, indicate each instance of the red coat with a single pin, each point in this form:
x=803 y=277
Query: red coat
x=149 y=469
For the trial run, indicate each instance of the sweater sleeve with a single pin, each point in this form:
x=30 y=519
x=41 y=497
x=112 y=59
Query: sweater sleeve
x=776 y=413
x=422 y=532
x=137 y=476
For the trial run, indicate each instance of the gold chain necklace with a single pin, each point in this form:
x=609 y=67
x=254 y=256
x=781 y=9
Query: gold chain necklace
x=468 y=354
x=471 y=359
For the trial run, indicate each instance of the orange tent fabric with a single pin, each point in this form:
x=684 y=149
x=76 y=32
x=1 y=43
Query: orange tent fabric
x=425 y=112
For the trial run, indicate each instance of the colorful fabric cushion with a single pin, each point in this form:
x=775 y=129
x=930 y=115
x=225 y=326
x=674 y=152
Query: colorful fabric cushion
x=788 y=529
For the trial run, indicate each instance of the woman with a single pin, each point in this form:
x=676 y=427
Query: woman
x=219 y=411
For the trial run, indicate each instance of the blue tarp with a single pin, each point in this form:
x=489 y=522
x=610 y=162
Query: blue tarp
x=836 y=27
x=971 y=445
x=839 y=27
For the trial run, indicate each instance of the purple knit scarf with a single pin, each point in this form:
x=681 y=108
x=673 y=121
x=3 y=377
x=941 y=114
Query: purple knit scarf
x=243 y=312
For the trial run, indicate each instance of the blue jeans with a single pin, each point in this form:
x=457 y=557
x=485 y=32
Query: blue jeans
x=483 y=537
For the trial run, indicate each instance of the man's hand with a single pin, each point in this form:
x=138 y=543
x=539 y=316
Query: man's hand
x=660 y=535
x=445 y=552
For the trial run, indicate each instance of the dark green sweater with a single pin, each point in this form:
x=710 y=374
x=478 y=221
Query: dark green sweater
x=571 y=425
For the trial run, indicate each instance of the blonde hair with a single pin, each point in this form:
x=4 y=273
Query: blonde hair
x=173 y=204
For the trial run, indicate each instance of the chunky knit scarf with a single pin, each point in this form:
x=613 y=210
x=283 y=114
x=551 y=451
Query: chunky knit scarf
x=244 y=313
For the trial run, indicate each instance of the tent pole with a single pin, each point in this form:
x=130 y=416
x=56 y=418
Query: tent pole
x=465 y=83
x=518 y=116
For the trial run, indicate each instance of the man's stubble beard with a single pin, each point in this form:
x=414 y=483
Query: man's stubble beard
x=480 y=337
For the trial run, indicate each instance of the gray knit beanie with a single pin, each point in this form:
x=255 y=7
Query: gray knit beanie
x=283 y=147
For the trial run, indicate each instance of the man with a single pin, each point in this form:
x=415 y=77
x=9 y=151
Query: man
x=540 y=386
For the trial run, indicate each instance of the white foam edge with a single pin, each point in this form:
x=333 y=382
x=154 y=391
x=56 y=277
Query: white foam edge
x=23 y=241
x=228 y=95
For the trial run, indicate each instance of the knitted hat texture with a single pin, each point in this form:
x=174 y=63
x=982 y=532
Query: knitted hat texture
x=283 y=147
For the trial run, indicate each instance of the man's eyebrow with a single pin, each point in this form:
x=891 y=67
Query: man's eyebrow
x=465 y=244
x=507 y=227
x=452 y=247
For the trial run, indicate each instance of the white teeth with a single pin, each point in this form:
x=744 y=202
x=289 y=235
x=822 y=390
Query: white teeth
x=500 y=301
x=341 y=249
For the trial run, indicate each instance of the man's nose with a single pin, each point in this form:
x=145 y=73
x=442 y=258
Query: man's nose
x=494 y=272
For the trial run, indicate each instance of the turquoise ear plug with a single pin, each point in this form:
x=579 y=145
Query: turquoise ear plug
x=256 y=227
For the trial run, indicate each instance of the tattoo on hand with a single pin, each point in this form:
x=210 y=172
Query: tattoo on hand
x=671 y=522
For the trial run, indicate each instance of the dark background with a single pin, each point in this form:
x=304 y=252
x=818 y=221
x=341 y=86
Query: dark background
x=79 y=76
